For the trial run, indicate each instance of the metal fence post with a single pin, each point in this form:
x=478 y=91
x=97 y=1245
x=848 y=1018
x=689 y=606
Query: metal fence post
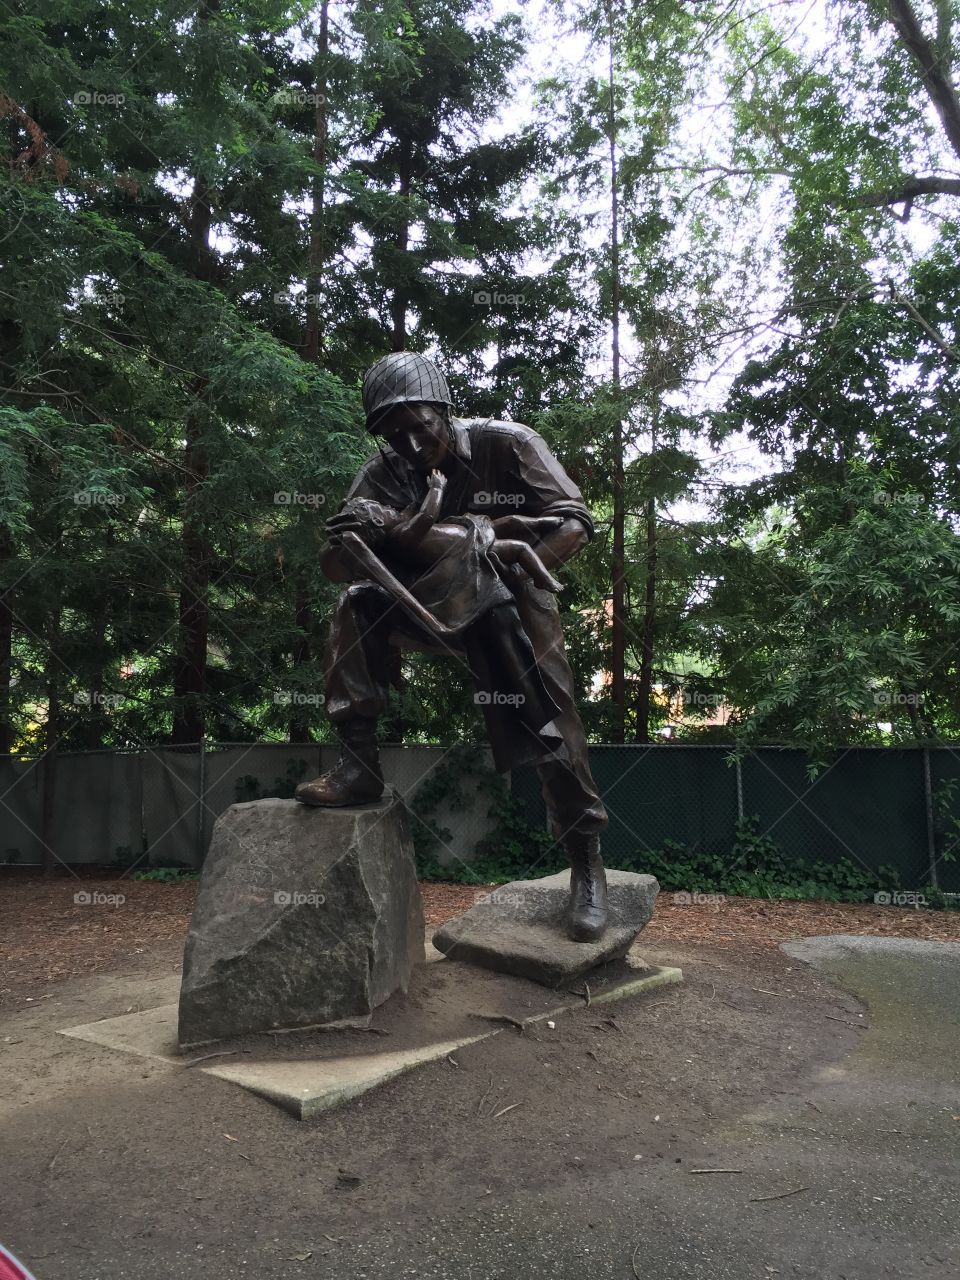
x=931 y=832
x=202 y=772
x=739 y=788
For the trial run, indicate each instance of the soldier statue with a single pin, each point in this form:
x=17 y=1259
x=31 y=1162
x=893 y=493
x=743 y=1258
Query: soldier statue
x=447 y=542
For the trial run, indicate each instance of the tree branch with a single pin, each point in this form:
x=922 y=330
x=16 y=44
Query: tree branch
x=948 y=350
x=904 y=193
x=937 y=84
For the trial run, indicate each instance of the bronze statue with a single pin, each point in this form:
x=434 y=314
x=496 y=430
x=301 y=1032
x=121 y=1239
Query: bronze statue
x=432 y=564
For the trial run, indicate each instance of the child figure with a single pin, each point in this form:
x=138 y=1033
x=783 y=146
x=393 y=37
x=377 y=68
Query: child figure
x=414 y=535
x=454 y=568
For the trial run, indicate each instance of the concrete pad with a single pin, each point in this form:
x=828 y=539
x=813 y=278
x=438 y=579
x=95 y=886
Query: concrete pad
x=307 y=1088
x=450 y=1006
x=151 y=1033
x=648 y=978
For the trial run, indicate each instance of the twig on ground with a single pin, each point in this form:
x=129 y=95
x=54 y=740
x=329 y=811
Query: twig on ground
x=224 y=1053
x=506 y=1109
x=779 y=1196
x=56 y=1155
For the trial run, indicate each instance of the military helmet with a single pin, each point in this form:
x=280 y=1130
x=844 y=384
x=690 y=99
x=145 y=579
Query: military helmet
x=403 y=377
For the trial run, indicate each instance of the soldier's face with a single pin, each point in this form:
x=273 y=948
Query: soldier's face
x=418 y=432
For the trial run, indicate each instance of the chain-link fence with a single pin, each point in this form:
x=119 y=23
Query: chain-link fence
x=156 y=807
x=875 y=806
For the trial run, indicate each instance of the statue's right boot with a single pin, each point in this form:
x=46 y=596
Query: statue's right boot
x=356 y=778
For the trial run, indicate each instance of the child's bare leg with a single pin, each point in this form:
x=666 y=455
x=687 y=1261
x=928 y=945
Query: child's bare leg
x=512 y=551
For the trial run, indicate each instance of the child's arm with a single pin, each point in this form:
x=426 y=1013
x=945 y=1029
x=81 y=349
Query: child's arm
x=408 y=535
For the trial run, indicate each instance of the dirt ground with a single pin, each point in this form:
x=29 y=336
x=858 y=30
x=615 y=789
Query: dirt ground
x=98 y=1146
x=554 y=1153
x=47 y=937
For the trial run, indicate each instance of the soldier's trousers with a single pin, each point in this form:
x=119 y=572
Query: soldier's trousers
x=366 y=622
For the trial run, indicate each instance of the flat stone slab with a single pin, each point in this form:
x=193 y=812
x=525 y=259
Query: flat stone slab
x=448 y=1008
x=151 y=1033
x=307 y=1088
x=306 y=917
x=520 y=928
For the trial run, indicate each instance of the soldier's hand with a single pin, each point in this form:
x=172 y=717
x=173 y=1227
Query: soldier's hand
x=343 y=522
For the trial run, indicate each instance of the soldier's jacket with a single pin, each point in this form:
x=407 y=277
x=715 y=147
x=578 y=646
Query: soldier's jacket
x=503 y=469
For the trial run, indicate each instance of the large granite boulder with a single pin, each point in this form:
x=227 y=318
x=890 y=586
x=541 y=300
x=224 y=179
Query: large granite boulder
x=520 y=928
x=306 y=917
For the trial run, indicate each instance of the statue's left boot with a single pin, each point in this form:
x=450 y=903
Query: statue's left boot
x=589 y=910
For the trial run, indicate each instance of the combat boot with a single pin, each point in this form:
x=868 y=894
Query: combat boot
x=589 y=910
x=356 y=777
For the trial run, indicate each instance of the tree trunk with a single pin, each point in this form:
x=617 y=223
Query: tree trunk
x=645 y=690
x=317 y=253
x=300 y=716
x=398 y=339
x=6 y=649
x=190 y=676
x=48 y=798
x=618 y=623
